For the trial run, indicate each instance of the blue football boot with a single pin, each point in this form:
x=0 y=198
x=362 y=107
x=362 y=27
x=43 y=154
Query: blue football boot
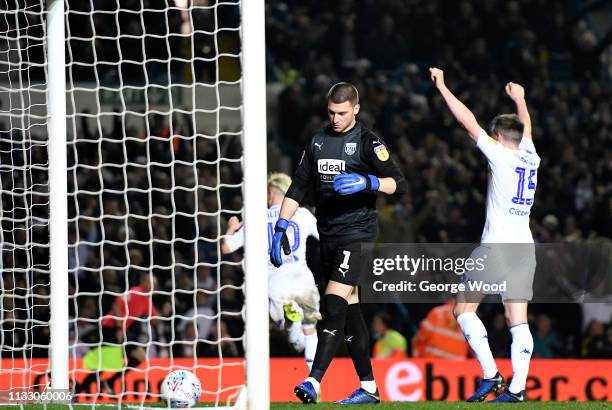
x=360 y=396
x=306 y=392
x=493 y=385
x=509 y=397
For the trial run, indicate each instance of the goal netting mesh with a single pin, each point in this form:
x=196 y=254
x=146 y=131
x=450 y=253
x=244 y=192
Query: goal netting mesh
x=154 y=171
x=24 y=192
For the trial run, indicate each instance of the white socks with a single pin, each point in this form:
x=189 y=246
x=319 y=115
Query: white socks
x=310 y=348
x=300 y=341
x=296 y=336
x=368 y=385
x=520 y=352
x=315 y=383
x=476 y=335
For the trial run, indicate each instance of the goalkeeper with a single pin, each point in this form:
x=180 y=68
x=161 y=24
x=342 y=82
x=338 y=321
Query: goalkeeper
x=346 y=165
x=292 y=290
x=120 y=330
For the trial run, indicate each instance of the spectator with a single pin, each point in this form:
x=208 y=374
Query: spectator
x=597 y=343
x=439 y=335
x=222 y=340
x=390 y=344
x=546 y=342
x=202 y=317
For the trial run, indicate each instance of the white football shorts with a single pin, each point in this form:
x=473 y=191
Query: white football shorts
x=509 y=267
x=293 y=284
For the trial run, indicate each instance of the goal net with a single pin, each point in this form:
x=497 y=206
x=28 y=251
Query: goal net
x=24 y=193
x=154 y=144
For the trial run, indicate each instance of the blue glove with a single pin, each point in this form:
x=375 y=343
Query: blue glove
x=346 y=184
x=279 y=239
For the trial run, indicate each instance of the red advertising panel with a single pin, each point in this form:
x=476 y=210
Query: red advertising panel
x=421 y=379
x=398 y=380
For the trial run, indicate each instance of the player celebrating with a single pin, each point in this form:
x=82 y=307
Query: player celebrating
x=291 y=289
x=513 y=164
x=346 y=165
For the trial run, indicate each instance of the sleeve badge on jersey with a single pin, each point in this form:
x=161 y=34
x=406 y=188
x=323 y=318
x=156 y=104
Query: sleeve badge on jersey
x=381 y=152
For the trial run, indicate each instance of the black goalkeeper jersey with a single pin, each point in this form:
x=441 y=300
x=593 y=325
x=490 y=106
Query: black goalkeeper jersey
x=344 y=218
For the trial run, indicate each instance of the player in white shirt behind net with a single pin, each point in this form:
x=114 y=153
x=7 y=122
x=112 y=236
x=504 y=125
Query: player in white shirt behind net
x=291 y=288
x=506 y=239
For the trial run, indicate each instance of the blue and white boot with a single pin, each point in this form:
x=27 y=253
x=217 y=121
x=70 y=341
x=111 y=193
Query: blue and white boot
x=361 y=396
x=486 y=386
x=306 y=392
x=509 y=397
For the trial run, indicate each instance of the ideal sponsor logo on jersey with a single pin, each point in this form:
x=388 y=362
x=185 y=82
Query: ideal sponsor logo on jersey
x=330 y=166
x=381 y=152
x=350 y=148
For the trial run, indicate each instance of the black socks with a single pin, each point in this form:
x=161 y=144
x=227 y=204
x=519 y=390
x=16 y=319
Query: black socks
x=331 y=333
x=357 y=340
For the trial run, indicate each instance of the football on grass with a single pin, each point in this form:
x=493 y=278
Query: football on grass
x=181 y=388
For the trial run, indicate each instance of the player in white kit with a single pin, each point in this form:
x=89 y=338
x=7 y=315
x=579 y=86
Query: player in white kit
x=513 y=164
x=291 y=287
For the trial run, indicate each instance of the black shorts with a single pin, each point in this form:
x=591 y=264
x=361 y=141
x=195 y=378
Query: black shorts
x=341 y=262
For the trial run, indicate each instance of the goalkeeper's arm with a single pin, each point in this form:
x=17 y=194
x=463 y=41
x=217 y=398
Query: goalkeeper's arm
x=300 y=185
x=465 y=117
x=288 y=208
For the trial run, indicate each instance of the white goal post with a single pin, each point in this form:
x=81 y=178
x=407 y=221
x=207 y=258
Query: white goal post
x=254 y=138
x=58 y=194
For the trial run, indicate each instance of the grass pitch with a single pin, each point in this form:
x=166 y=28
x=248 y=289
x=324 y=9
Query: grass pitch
x=432 y=405
x=382 y=406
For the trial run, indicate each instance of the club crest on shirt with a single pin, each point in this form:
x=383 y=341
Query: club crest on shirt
x=350 y=148
x=381 y=152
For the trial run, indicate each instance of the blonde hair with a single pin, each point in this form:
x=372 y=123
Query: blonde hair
x=280 y=181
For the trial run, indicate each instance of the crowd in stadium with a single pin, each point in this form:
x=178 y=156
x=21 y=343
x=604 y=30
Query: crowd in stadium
x=183 y=250
x=565 y=65
x=551 y=49
x=132 y=202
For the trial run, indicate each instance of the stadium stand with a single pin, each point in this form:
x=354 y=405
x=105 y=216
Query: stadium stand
x=568 y=77
x=559 y=51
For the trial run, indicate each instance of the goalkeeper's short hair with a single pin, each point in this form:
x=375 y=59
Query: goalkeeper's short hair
x=280 y=181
